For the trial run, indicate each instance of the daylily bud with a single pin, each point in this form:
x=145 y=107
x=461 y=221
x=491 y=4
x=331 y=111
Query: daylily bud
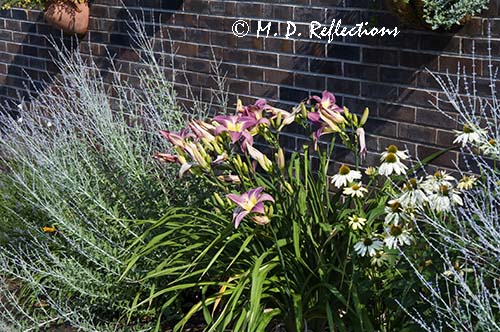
x=244 y=168
x=354 y=119
x=261 y=220
x=280 y=158
x=182 y=159
x=237 y=161
x=217 y=147
x=362 y=143
x=303 y=110
x=219 y=200
x=288 y=187
x=279 y=118
x=270 y=211
x=166 y=157
x=364 y=118
x=239 y=106
x=229 y=178
x=347 y=114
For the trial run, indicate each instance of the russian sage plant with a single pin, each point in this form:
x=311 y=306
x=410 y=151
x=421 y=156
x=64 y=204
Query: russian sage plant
x=464 y=293
x=77 y=173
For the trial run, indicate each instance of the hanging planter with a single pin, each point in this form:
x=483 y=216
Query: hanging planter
x=69 y=16
x=436 y=14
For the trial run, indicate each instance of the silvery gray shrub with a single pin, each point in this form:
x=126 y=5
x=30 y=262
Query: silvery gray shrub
x=77 y=173
x=465 y=296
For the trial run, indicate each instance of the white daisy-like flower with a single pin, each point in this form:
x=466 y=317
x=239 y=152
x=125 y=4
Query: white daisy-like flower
x=356 y=222
x=403 y=155
x=396 y=236
x=467 y=182
x=490 y=148
x=380 y=258
x=469 y=134
x=457 y=270
x=444 y=199
x=392 y=164
x=413 y=196
x=49 y=124
x=345 y=176
x=395 y=213
x=440 y=178
x=368 y=246
x=355 y=190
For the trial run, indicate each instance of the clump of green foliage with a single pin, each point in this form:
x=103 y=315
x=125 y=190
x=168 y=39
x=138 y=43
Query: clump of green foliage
x=438 y=14
x=445 y=13
x=284 y=246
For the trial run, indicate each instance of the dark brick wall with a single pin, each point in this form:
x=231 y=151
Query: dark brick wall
x=386 y=74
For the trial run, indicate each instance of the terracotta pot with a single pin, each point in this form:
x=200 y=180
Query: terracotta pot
x=72 y=18
x=410 y=13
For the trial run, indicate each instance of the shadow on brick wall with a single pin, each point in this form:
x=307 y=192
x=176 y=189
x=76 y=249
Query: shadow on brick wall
x=29 y=50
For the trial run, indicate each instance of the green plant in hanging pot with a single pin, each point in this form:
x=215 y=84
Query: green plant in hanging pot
x=436 y=14
x=71 y=16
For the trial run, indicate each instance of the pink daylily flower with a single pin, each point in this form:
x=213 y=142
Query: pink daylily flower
x=249 y=202
x=286 y=117
x=177 y=139
x=203 y=130
x=236 y=126
x=327 y=102
x=255 y=111
x=167 y=157
x=261 y=158
x=323 y=130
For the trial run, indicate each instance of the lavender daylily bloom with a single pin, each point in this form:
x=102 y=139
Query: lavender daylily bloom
x=327 y=102
x=236 y=126
x=261 y=158
x=203 y=130
x=177 y=139
x=249 y=202
x=255 y=111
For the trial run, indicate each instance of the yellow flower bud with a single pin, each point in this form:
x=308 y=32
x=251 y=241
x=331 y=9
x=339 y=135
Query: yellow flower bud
x=280 y=159
x=364 y=118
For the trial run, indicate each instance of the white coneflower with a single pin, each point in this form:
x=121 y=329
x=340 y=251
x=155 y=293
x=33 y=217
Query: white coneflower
x=467 y=182
x=356 y=222
x=381 y=258
x=355 y=190
x=457 y=270
x=368 y=246
x=395 y=213
x=413 y=196
x=440 y=178
x=444 y=198
x=403 y=155
x=469 y=134
x=391 y=164
x=345 y=176
x=397 y=235
x=490 y=148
